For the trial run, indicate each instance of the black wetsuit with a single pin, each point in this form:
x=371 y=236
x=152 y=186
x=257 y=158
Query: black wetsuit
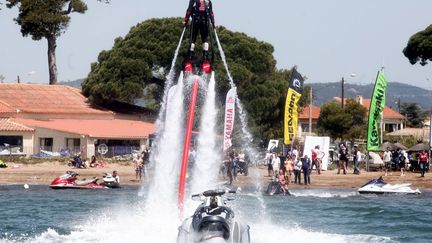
x=201 y=12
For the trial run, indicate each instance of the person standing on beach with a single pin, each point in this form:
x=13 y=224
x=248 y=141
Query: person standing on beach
x=297 y=171
x=387 y=160
x=317 y=157
x=276 y=164
x=402 y=162
x=270 y=166
x=357 y=157
x=138 y=166
x=343 y=157
x=423 y=159
x=306 y=167
x=289 y=165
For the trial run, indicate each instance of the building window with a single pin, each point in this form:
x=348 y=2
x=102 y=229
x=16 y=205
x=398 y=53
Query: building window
x=46 y=144
x=11 y=144
x=73 y=144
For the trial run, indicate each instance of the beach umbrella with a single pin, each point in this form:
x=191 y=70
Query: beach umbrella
x=386 y=145
x=419 y=147
x=400 y=146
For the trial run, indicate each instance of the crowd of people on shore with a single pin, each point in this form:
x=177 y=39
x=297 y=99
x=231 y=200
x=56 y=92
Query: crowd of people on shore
x=139 y=160
x=292 y=167
x=401 y=160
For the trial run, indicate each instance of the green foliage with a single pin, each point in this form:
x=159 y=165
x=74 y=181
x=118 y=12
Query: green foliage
x=347 y=123
x=46 y=19
x=413 y=114
x=419 y=47
x=43 y=19
x=125 y=72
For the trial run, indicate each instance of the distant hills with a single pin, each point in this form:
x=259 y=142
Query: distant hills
x=76 y=83
x=324 y=92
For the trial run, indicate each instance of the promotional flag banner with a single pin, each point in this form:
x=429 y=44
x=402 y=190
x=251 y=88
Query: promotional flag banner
x=229 y=118
x=291 y=113
x=376 y=108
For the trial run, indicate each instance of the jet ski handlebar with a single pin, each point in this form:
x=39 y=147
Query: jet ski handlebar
x=213 y=193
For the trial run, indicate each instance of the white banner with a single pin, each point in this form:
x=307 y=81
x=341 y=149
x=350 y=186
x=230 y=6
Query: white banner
x=324 y=144
x=430 y=130
x=229 y=118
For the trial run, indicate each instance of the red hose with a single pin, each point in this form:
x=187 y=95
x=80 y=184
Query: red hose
x=186 y=145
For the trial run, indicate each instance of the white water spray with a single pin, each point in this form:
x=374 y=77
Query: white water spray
x=168 y=83
x=167 y=155
x=206 y=164
x=247 y=138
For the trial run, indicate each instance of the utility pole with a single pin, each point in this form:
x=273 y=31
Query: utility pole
x=342 y=92
x=310 y=111
x=399 y=105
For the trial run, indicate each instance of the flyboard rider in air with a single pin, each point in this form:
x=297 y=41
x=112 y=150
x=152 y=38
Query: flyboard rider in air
x=202 y=15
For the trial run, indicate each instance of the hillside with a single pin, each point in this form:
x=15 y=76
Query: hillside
x=324 y=92
x=76 y=83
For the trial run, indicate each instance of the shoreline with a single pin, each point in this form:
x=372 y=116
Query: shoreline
x=44 y=173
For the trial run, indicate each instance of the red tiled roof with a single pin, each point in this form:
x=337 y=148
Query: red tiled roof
x=305 y=113
x=114 y=128
x=4 y=108
x=10 y=126
x=41 y=98
x=388 y=113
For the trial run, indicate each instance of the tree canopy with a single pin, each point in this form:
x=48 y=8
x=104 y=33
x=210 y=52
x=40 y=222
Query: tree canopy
x=345 y=123
x=46 y=19
x=138 y=63
x=419 y=47
x=413 y=114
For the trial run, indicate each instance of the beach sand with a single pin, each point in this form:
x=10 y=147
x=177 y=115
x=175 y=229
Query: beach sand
x=44 y=173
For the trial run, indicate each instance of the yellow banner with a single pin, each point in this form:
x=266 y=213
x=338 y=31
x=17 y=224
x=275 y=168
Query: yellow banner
x=291 y=115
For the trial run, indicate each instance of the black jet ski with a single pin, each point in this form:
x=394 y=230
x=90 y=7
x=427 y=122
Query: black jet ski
x=212 y=222
x=275 y=188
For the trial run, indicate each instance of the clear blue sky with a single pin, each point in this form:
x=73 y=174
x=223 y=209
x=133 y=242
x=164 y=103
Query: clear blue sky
x=327 y=40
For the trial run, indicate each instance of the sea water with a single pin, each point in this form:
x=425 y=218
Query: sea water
x=40 y=214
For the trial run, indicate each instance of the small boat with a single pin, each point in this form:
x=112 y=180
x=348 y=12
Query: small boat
x=378 y=186
x=70 y=181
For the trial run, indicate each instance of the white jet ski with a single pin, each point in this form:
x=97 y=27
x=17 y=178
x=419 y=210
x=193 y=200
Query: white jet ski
x=378 y=186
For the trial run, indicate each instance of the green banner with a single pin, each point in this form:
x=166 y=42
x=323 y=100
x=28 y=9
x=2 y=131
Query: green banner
x=376 y=108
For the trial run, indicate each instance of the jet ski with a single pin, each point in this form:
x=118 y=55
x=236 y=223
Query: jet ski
x=275 y=188
x=70 y=181
x=212 y=222
x=109 y=181
x=378 y=186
